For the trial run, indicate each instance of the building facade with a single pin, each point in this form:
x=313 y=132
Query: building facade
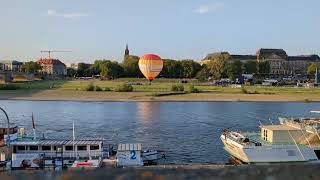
x=279 y=61
x=52 y=66
x=14 y=66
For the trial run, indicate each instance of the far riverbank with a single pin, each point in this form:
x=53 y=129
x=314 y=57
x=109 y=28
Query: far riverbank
x=159 y=90
x=73 y=95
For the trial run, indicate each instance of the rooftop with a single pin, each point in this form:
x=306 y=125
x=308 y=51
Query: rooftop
x=50 y=61
x=274 y=53
x=304 y=58
x=243 y=57
x=84 y=141
x=279 y=128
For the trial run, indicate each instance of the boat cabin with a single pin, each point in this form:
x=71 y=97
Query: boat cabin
x=281 y=134
x=129 y=155
x=13 y=134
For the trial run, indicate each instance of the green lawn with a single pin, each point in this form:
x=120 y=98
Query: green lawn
x=162 y=85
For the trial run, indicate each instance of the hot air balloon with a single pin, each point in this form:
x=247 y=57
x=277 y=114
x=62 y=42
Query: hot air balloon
x=150 y=65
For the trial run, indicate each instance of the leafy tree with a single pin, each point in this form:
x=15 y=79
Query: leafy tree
x=190 y=68
x=203 y=74
x=71 y=72
x=109 y=69
x=131 y=66
x=217 y=66
x=31 y=67
x=250 y=67
x=234 y=69
x=179 y=69
x=264 y=67
x=312 y=68
x=85 y=70
x=171 y=69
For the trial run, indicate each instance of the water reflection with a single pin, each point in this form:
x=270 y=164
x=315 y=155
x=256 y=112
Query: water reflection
x=148 y=112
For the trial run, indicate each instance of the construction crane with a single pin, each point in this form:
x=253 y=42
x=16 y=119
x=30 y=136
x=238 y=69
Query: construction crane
x=51 y=51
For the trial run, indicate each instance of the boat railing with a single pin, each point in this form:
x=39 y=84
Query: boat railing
x=68 y=154
x=255 y=138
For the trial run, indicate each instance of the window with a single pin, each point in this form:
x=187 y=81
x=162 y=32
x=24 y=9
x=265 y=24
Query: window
x=265 y=134
x=94 y=147
x=46 y=148
x=82 y=148
x=33 y=148
x=21 y=148
x=69 y=148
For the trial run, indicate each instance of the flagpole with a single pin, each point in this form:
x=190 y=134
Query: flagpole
x=34 y=128
x=73 y=138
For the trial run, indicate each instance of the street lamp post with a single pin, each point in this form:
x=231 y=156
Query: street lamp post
x=8 y=130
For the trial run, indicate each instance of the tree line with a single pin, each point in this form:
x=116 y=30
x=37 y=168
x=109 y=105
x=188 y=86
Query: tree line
x=222 y=66
x=108 y=69
x=219 y=66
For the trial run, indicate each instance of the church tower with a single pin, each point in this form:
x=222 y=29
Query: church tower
x=126 y=52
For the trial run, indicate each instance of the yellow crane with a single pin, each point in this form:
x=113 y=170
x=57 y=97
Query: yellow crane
x=51 y=51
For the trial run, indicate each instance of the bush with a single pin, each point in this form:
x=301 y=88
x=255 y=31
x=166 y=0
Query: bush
x=244 y=91
x=8 y=87
x=107 y=89
x=193 y=89
x=124 y=88
x=177 y=88
x=90 y=87
x=98 y=88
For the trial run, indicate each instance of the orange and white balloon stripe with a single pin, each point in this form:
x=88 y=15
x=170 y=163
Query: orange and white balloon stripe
x=150 y=65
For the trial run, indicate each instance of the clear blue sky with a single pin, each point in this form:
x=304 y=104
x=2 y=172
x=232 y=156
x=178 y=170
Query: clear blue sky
x=95 y=29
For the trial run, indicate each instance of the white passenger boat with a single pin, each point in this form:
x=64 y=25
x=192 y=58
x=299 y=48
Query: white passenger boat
x=21 y=151
x=291 y=141
x=53 y=153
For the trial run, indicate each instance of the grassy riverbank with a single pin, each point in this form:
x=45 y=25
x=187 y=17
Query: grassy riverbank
x=159 y=90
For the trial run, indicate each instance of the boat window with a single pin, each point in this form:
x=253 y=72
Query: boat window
x=69 y=148
x=82 y=148
x=15 y=130
x=265 y=135
x=46 y=148
x=54 y=148
x=317 y=153
x=94 y=147
x=246 y=140
x=33 y=148
x=21 y=148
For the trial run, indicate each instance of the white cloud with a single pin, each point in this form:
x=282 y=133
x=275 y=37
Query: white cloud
x=207 y=8
x=65 y=15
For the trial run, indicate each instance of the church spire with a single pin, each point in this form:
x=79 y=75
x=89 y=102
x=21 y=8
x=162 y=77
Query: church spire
x=126 y=52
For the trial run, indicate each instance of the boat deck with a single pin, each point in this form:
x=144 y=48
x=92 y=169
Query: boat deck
x=256 y=137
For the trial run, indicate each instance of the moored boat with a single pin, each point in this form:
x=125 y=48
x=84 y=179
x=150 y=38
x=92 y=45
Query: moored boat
x=294 y=141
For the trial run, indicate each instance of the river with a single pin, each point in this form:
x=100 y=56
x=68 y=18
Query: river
x=188 y=131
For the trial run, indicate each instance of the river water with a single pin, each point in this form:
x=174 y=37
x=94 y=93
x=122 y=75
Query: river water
x=188 y=131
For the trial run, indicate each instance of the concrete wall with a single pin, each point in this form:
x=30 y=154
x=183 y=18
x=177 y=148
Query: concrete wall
x=176 y=172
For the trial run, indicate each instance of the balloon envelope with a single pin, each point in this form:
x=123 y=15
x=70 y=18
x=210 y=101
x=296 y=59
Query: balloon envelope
x=150 y=65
